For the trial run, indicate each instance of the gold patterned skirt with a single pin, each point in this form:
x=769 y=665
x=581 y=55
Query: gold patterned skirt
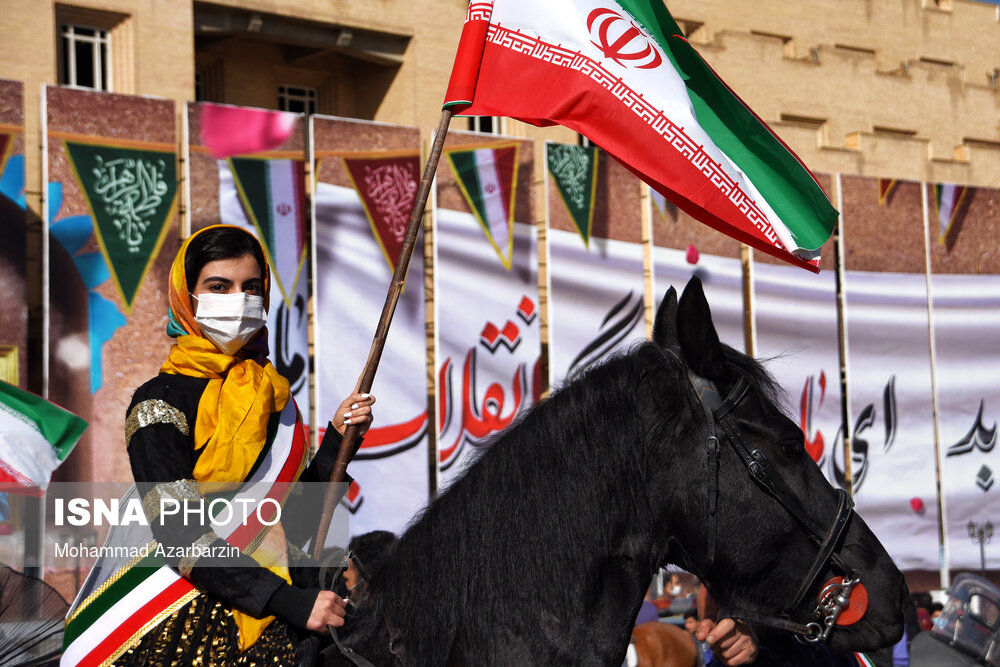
x=203 y=634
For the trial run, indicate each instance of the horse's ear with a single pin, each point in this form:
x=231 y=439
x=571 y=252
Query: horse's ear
x=665 y=326
x=699 y=341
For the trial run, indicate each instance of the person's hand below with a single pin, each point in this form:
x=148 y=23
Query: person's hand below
x=356 y=409
x=329 y=609
x=731 y=641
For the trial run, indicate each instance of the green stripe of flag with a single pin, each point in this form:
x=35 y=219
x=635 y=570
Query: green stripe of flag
x=135 y=575
x=254 y=183
x=60 y=428
x=780 y=178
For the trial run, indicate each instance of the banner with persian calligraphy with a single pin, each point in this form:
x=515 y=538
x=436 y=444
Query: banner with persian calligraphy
x=387 y=186
x=596 y=284
x=965 y=297
x=131 y=194
x=111 y=202
x=13 y=237
x=392 y=468
x=488 y=344
x=888 y=364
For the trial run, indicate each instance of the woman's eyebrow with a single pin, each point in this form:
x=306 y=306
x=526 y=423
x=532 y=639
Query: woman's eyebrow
x=217 y=279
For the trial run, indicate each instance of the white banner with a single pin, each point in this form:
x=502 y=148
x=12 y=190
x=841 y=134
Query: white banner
x=722 y=279
x=967 y=344
x=287 y=323
x=488 y=346
x=352 y=276
x=595 y=301
x=891 y=413
x=796 y=323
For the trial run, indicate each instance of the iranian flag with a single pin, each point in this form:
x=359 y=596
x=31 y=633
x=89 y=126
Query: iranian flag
x=622 y=74
x=35 y=437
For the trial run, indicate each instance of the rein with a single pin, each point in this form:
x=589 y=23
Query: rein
x=350 y=654
x=835 y=596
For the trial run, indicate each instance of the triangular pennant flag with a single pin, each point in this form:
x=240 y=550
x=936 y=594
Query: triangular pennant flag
x=35 y=436
x=487 y=177
x=574 y=170
x=273 y=196
x=885 y=188
x=131 y=193
x=387 y=184
x=948 y=197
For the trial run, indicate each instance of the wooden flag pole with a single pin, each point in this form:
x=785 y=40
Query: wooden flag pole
x=347 y=445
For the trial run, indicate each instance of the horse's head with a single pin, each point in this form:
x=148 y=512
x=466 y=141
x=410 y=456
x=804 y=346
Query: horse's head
x=766 y=531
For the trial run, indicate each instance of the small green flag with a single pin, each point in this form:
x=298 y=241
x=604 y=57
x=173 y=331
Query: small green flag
x=574 y=169
x=131 y=194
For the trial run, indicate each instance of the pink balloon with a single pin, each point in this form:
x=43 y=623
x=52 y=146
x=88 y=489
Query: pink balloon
x=917 y=504
x=692 y=254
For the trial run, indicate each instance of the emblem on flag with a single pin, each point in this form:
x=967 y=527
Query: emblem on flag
x=273 y=195
x=131 y=194
x=574 y=170
x=386 y=183
x=487 y=177
x=949 y=198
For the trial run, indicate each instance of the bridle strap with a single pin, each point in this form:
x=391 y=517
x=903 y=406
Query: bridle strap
x=709 y=399
x=718 y=411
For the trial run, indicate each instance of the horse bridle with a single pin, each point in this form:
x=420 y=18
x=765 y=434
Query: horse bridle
x=835 y=597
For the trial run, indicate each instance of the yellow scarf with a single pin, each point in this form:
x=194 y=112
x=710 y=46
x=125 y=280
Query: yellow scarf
x=233 y=414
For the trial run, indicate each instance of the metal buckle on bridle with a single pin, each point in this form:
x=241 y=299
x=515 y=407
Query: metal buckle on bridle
x=833 y=601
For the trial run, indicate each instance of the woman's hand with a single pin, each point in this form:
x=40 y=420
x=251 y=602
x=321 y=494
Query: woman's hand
x=329 y=609
x=356 y=409
x=731 y=641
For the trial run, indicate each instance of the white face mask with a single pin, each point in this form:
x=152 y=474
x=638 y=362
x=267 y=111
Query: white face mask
x=229 y=320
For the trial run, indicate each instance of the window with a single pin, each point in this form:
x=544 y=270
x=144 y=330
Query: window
x=199 y=87
x=486 y=124
x=86 y=57
x=297 y=99
x=95 y=49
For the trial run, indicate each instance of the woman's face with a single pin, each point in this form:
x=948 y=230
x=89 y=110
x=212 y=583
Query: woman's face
x=228 y=276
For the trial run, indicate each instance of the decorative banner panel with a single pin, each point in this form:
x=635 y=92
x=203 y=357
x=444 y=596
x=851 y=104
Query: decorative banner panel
x=683 y=247
x=354 y=231
x=112 y=201
x=262 y=192
x=796 y=333
x=889 y=374
x=797 y=341
x=596 y=293
x=488 y=349
x=965 y=288
x=14 y=296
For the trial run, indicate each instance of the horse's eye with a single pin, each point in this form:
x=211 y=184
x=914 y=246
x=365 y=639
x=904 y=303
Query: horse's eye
x=792 y=447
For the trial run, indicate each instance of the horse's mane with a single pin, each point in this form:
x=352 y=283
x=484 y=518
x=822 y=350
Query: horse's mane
x=486 y=539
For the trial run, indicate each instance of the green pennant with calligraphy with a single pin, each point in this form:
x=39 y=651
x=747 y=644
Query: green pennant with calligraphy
x=131 y=194
x=574 y=170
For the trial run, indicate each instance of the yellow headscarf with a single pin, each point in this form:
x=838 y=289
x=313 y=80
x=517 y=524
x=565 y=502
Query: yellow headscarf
x=243 y=391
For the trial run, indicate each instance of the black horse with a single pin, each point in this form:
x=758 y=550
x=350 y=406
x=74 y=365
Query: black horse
x=540 y=554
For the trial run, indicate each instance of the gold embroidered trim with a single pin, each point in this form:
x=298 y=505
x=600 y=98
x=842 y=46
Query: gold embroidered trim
x=181 y=489
x=154 y=411
x=201 y=544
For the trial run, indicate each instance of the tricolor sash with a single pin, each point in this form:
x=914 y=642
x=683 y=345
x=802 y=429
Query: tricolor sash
x=123 y=599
